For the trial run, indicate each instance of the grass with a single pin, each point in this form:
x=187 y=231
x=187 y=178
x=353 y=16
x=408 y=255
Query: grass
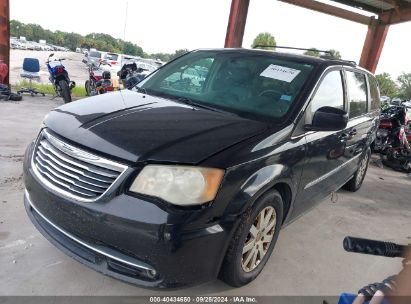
x=48 y=89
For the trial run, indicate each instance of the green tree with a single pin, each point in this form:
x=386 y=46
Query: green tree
x=387 y=86
x=72 y=41
x=335 y=54
x=312 y=52
x=404 y=81
x=178 y=53
x=58 y=38
x=100 y=41
x=162 y=56
x=264 y=41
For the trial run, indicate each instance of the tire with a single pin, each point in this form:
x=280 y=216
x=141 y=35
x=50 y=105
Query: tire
x=65 y=91
x=236 y=271
x=15 y=97
x=87 y=87
x=354 y=184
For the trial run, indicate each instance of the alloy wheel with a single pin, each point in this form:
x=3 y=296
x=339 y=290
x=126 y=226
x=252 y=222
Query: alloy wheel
x=259 y=239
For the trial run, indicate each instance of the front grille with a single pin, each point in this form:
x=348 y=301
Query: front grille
x=71 y=171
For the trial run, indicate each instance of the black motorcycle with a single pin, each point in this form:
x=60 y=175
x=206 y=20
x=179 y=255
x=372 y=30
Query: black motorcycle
x=130 y=75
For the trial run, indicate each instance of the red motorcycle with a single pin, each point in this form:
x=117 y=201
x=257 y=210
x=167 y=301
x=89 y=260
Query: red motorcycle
x=391 y=121
x=99 y=81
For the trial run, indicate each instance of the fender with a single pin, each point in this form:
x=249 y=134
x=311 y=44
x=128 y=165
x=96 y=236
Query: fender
x=259 y=182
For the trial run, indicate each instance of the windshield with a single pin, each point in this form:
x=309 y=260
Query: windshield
x=251 y=85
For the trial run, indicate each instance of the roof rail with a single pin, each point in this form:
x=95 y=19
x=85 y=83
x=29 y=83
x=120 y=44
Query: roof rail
x=327 y=54
x=290 y=48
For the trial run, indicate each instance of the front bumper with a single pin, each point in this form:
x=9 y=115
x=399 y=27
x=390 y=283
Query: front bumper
x=129 y=238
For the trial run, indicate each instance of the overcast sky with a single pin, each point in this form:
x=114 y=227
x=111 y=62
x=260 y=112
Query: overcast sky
x=167 y=25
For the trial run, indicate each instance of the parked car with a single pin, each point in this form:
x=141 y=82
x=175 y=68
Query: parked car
x=128 y=58
x=385 y=99
x=181 y=181
x=15 y=44
x=95 y=57
x=114 y=60
x=396 y=101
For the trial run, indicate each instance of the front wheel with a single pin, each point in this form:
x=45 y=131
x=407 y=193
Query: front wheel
x=253 y=241
x=65 y=91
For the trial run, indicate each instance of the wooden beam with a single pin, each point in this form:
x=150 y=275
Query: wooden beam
x=330 y=10
x=5 y=35
x=236 y=23
x=373 y=45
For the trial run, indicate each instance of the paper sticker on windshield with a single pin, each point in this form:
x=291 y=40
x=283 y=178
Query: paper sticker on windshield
x=280 y=73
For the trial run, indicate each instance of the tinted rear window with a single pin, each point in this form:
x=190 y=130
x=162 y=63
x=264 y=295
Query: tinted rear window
x=95 y=54
x=111 y=56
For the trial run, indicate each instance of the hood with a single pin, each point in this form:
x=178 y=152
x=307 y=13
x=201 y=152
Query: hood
x=135 y=127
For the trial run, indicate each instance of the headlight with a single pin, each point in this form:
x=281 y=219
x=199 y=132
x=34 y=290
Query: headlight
x=179 y=185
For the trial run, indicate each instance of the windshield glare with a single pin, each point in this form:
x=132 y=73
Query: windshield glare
x=255 y=86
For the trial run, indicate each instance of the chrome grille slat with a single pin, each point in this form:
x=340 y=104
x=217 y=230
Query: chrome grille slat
x=63 y=184
x=81 y=172
x=71 y=171
x=79 y=178
x=64 y=178
x=66 y=158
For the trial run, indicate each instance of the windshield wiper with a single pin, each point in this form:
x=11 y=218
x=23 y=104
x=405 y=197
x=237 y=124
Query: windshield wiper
x=195 y=104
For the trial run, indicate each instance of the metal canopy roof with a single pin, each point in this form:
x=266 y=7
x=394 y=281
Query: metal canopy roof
x=377 y=6
x=386 y=13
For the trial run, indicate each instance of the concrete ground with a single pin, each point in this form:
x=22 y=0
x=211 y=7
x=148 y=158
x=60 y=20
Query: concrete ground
x=308 y=259
x=76 y=68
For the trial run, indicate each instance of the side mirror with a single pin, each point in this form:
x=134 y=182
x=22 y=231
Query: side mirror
x=328 y=119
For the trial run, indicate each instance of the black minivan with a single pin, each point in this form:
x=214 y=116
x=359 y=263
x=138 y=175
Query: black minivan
x=191 y=175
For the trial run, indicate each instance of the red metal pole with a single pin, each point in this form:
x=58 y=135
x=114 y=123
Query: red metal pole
x=236 y=23
x=373 y=45
x=5 y=35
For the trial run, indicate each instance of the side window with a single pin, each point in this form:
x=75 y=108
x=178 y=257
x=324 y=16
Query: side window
x=330 y=93
x=374 y=93
x=357 y=91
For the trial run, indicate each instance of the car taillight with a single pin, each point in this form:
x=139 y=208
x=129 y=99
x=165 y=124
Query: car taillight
x=113 y=62
x=59 y=70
